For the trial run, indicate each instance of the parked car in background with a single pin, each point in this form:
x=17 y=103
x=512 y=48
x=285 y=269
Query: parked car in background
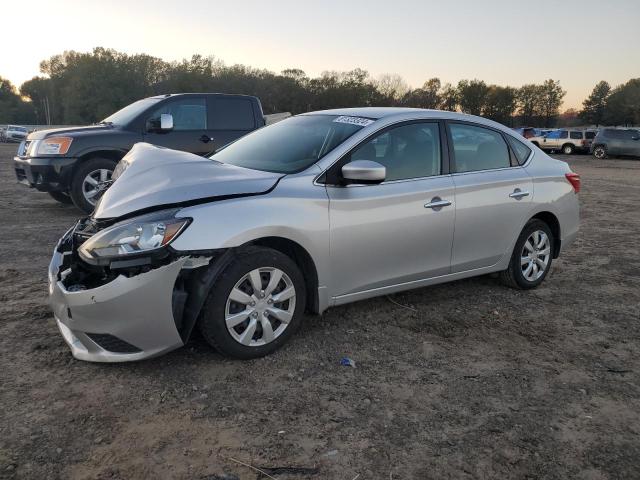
x=527 y=132
x=321 y=209
x=14 y=133
x=565 y=141
x=76 y=164
x=615 y=141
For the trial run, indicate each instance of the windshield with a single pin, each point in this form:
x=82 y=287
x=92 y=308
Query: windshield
x=128 y=113
x=291 y=145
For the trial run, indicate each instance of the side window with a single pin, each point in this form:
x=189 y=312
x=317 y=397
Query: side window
x=478 y=148
x=188 y=114
x=520 y=149
x=231 y=114
x=563 y=134
x=409 y=151
x=575 y=135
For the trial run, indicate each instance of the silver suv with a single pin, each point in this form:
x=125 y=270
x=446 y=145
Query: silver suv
x=565 y=141
x=318 y=210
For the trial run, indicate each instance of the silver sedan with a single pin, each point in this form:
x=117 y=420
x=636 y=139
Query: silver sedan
x=318 y=210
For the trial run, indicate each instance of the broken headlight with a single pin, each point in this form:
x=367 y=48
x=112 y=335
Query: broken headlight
x=132 y=237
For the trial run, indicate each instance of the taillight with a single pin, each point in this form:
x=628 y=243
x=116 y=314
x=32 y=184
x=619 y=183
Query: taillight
x=574 y=180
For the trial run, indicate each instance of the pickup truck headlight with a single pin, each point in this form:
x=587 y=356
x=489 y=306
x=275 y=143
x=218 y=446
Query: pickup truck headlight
x=137 y=236
x=54 y=146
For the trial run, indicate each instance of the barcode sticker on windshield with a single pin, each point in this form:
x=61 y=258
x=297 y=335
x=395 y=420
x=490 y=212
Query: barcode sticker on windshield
x=363 y=122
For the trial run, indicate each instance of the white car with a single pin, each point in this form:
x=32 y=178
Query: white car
x=14 y=133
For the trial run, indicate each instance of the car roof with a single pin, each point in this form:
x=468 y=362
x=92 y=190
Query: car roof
x=379 y=113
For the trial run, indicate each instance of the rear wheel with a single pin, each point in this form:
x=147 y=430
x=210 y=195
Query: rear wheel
x=255 y=304
x=568 y=149
x=531 y=258
x=61 y=197
x=600 y=152
x=90 y=181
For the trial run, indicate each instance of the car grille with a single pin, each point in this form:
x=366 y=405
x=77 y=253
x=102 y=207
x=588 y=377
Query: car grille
x=112 y=343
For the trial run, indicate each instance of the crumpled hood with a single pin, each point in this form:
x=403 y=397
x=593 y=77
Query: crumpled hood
x=159 y=177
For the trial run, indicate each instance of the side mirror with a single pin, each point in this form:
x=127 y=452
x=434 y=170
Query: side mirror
x=364 y=171
x=166 y=121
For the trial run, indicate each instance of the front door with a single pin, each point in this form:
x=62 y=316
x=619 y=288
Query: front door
x=189 y=133
x=400 y=230
x=493 y=198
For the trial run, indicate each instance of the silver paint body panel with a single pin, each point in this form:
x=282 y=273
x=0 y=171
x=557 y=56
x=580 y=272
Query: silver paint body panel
x=364 y=240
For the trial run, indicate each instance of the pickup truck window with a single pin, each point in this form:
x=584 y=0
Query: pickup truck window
x=188 y=114
x=231 y=114
x=291 y=145
x=130 y=112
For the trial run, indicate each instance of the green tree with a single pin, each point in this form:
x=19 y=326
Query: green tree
x=623 y=104
x=593 y=108
x=500 y=104
x=13 y=109
x=551 y=95
x=428 y=96
x=448 y=97
x=528 y=104
x=472 y=96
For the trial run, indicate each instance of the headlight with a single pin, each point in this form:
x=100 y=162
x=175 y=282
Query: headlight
x=54 y=146
x=137 y=236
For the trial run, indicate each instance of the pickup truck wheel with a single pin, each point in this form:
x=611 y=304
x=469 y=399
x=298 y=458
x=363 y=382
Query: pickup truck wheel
x=255 y=305
x=61 y=197
x=568 y=149
x=600 y=152
x=90 y=181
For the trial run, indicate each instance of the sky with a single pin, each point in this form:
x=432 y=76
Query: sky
x=578 y=42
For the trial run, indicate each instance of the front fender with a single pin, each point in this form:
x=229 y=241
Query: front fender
x=299 y=215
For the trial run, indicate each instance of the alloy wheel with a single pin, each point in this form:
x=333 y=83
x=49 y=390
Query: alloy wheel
x=260 y=306
x=599 y=152
x=535 y=255
x=95 y=183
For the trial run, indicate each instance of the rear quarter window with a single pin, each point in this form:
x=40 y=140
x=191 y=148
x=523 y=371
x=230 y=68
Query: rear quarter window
x=520 y=149
x=231 y=114
x=575 y=135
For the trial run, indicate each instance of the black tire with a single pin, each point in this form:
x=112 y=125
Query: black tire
x=568 y=149
x=600 y=152
x=513 y=276
x=61 y=197
x=212 y=318
x=84 y=169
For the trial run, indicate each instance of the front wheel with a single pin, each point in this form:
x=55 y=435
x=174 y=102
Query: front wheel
x=255 y=304
x=90 y=181
x=532 y=255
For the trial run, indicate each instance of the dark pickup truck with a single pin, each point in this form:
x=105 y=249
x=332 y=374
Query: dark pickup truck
x=75 y=164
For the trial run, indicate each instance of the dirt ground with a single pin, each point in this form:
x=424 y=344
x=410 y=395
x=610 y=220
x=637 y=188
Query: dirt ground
x=465 y=380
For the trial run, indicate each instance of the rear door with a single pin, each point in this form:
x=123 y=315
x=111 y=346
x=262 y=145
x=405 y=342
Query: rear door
x=189 y=132
x=631 y=145
x=230 y=118
x=493 y=195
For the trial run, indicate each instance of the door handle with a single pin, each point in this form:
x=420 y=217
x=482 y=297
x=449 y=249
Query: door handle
x=437 y=203
x=206 y=139
x=518 y=194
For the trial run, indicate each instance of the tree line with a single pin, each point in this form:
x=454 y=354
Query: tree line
x=80 y=88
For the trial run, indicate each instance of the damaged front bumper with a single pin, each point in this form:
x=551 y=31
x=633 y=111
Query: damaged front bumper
x=128 y=318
